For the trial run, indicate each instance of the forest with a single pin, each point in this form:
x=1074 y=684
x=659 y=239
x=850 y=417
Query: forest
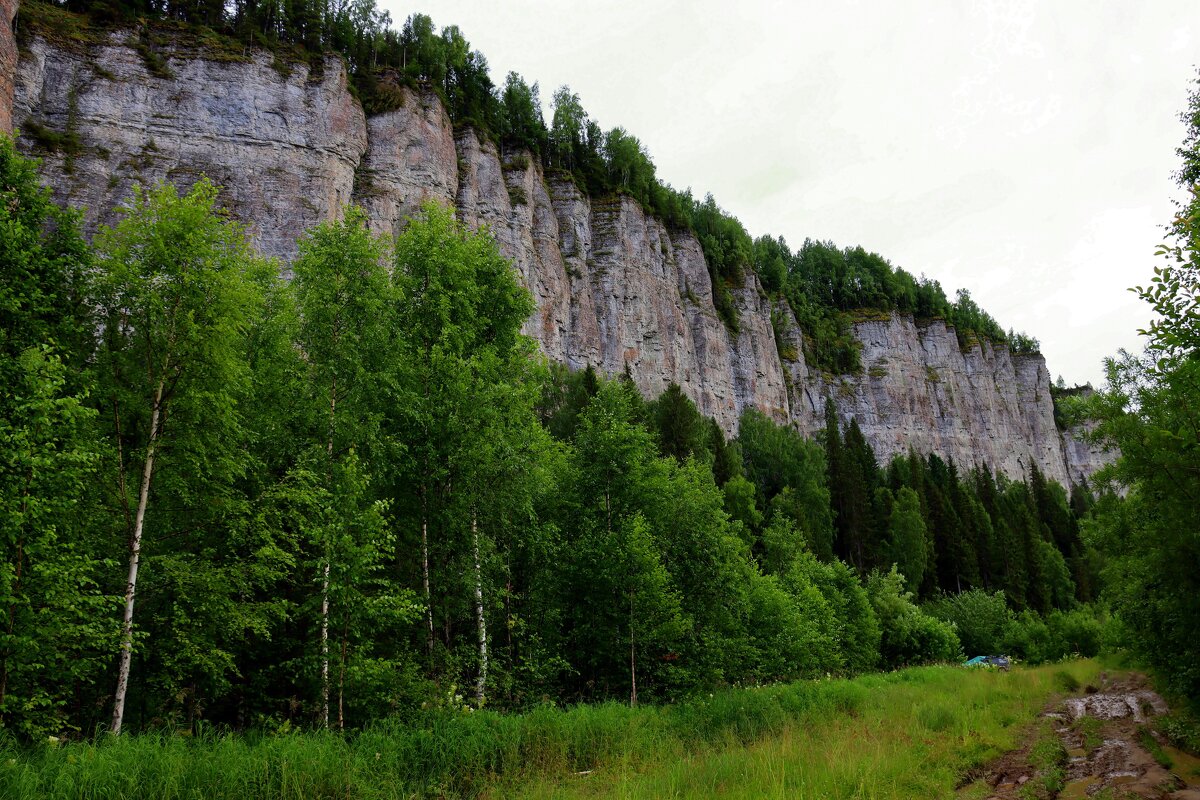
x=235 y=501
x=241 y=501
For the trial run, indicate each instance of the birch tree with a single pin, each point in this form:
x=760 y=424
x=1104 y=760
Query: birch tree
x=463 y=364
x=342 y=291
x=175 y=291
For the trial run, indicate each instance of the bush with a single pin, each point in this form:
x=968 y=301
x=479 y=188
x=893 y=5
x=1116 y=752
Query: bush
x=909 y=636
x=1076 y=632
x=979 y=619
x=1060 y=634
x=1026 y=637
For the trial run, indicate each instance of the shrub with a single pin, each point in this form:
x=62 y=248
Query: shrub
x=979 y=619
x=1026 y=637
x=1076 y=632
x=909 y=636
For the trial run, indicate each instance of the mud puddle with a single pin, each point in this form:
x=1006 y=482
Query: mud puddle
x=1097 y=745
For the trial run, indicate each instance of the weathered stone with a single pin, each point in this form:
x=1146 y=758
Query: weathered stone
x=410 y=159
x=282 y=149
x=920 y=390
x=8 y=62
x=614 y=288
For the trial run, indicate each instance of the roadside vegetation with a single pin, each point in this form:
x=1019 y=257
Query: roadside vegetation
x=904 y=734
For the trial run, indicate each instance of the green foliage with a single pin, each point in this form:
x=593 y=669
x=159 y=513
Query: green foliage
x=908 y=537
x=909 y=636
x=979 y=618
x=1022 y=344
x=789 y=473
x=651 y=750
x=1148 y=413
x=59 y=621
x=177 y=286
x=363 y=492
x=341 y=293
x=521 y=124
x=682 y=431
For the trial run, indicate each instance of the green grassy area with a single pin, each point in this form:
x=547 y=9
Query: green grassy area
x=911 y=733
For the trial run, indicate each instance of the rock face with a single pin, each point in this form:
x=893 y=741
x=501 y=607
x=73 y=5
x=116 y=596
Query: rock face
x=410 y=159
x=920 y=390
x=8 y=62
x=614 y=288
x=283 y=149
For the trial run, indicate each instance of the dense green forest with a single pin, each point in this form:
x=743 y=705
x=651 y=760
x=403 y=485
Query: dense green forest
x=238 y=500
x=825 y=285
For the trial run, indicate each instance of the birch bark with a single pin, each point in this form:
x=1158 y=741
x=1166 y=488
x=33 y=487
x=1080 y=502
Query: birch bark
x=135 y=551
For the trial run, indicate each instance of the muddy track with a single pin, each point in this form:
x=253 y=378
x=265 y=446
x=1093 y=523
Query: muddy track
x=1100 y=743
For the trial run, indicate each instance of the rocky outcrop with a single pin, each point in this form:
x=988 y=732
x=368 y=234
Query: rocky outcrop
x=920 y=390
x=282 y=145
x=1084 y=458
x=614 y=287
x=410 y=159
x=8 y=62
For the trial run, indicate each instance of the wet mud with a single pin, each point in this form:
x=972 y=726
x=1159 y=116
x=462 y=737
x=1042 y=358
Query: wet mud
x=1100 y=744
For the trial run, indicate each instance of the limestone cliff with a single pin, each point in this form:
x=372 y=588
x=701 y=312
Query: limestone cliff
x=8 y=61
x=919 y=389
x=614 y=287
x=282 y=147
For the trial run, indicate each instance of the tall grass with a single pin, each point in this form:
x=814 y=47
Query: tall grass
x=904 y=734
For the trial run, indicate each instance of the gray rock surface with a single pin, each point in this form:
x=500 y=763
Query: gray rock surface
x=8 y=62
x=920 y=390
x=283 y=149
x=614 y=288
x=409 y=159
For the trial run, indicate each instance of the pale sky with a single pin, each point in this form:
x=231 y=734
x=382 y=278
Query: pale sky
x=1022 y=150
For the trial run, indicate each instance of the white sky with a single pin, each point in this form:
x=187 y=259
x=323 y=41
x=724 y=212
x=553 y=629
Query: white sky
x=1022 y=150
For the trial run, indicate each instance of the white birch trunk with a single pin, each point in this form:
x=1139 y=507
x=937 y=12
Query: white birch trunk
x=325 y=572
x=632 y=658
x=425 y=573
x=325 y=644
x=480 y=620
x=135 y=552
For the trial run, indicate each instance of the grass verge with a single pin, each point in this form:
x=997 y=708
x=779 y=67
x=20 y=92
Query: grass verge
x=911 y=733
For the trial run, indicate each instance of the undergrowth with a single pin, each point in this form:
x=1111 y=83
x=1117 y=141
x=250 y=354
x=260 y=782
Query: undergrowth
x=915 y=731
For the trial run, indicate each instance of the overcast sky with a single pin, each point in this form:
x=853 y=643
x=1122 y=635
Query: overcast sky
x=1022 y=150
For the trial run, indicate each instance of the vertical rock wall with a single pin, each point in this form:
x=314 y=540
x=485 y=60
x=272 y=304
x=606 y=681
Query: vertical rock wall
x=283 y=147
x=614 y=288
x=8 y=62
x=920 y=390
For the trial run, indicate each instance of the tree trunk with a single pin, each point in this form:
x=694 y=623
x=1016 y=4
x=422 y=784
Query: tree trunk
x=325 y=643
x=342 y=677
x=632 y=658
x=480 y=620
x=135 y=551
x=325 y=569
x=425 y=570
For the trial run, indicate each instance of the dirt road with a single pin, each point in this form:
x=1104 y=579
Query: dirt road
x=1100 y=743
